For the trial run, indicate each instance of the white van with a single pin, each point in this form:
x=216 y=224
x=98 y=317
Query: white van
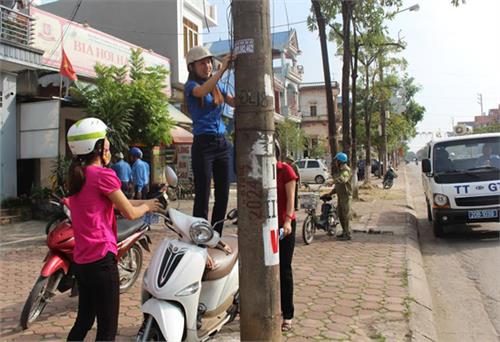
x=461 y=178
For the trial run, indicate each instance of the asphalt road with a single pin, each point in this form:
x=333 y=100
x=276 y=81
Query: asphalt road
x=463 y=270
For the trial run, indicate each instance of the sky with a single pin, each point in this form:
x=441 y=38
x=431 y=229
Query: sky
x=452 y=52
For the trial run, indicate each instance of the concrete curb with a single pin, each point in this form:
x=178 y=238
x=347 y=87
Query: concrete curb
x=422 y=325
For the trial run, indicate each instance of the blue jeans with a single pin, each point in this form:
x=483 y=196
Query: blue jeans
x=210 y=156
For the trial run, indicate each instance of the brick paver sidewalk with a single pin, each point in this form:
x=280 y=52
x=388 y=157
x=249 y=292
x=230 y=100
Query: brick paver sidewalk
x=354 y=290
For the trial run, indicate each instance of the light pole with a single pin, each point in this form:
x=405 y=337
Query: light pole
x=383 y=114
x=415 y=7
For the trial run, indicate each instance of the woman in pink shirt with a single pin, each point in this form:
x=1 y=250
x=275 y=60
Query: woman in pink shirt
x=94 y=191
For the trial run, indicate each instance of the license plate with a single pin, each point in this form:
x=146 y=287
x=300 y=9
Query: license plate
x=483 y=214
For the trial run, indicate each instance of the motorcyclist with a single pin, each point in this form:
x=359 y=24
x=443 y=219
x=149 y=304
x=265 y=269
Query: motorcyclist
x=390 y=174
x=342 y=187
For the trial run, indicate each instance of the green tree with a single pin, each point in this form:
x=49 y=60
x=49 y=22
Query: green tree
x=290 y=136
x=493 y=128
x=152 y=123
x=134 y=108
x=109 y=99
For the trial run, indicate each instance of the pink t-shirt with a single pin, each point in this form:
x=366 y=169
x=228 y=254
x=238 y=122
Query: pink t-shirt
x=92 y=215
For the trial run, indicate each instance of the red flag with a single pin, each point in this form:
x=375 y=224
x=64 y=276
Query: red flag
x=66 y=68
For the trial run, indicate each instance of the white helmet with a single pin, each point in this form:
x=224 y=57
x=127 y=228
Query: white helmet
x=197 y=53
x=83 y=135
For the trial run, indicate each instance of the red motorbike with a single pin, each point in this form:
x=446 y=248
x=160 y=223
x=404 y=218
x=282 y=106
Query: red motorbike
x=57 y=275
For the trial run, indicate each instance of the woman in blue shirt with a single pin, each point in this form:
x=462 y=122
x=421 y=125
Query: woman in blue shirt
x=206 y=98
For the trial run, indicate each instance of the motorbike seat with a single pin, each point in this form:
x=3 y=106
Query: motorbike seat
x=224 y=263
x=126 y=228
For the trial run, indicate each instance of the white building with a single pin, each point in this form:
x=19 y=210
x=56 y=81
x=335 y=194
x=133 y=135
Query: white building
x=314 y=113
x=17 y=58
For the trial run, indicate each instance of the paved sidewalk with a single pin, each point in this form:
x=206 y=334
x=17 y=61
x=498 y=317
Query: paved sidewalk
x=354 y=290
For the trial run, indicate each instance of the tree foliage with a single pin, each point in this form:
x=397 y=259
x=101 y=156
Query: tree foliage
x=290 y=136
x=134 y=108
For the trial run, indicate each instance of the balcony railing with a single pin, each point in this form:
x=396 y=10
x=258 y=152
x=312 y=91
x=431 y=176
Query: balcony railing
x=15 y=27
x=295 y=71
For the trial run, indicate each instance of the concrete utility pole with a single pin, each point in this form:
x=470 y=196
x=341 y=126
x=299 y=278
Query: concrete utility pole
x=332 y=124
x=260 y=317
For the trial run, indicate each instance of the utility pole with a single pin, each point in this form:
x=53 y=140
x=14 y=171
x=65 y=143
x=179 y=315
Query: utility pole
x=332 y=124
x=383 y=119
x=480 y=101
x=260 y=312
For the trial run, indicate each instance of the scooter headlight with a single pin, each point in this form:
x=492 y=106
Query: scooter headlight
x=201 y=232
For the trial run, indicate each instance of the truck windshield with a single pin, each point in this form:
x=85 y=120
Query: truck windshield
x=467 y=160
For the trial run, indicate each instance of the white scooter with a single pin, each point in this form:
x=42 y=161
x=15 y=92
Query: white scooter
x=182 y=301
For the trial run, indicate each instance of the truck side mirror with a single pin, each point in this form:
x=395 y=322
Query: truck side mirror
x=426 y=166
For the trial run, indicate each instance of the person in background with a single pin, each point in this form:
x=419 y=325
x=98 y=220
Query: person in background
x=124 y=173
x=342 y=187
x=94 y=192
x=206 y=98
x=286 y=180
x=290 y=161
x=140 y=174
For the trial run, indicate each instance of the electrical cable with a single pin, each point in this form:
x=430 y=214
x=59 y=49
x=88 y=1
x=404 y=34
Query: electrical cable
x=73 y=15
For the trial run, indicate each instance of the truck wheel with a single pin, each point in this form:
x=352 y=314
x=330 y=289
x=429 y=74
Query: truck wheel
x=438 y=229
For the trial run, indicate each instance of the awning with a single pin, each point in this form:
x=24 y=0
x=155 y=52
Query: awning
x=181 y=136
x=178 y=116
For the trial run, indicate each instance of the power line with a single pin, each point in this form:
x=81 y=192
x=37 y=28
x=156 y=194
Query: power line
x=73 y=15
x=180 y=34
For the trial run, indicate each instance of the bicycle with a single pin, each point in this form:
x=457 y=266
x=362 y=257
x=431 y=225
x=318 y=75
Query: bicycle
x=327 y=220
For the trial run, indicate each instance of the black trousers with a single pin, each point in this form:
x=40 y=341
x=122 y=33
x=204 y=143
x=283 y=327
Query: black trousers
x=287 y=246
x=99 y=296
x=210 y=156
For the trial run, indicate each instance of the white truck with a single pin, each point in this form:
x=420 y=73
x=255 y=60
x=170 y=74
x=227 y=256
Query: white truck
x=461 y=179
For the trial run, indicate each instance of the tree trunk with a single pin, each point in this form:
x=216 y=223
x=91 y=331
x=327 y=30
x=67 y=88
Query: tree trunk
x=332 y=124
x=346 y=28
x=368 y=147
x=354 y=77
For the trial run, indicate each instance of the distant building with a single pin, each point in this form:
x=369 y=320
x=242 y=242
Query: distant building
x=287 y=73
x=314 y=113
x=492 y=118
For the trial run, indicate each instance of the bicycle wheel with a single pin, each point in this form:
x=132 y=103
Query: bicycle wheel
x=308 y=230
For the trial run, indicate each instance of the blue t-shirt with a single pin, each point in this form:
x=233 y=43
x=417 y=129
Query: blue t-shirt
x=206 y=119
x=123 y=170
x=140 y=173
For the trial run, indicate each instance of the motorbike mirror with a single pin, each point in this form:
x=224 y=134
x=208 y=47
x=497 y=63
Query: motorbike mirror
x=232 y=214
x=172 y=179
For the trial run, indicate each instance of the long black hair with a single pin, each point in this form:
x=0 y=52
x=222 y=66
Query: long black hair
x=216 y=93
x=76 y=174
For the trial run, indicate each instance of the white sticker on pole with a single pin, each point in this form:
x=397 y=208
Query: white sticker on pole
x=268 y=86
x=264 y=145
x=268 y=172
x=243 y=46
x=271 y=231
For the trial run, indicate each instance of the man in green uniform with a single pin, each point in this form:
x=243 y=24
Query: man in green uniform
x=342 y=187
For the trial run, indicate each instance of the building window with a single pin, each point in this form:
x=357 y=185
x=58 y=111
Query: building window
x=313 y=110
x=190 y=35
